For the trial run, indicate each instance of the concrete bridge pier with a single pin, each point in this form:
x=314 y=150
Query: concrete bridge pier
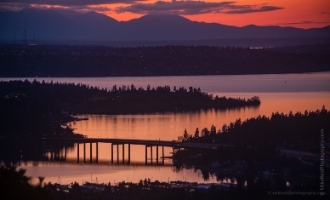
x=151 y=154
x=84 y=152
x=146 y=154
x=51 y=154
x=78 y=152
x=97 y=152
x=123 y=153
x=163 y=154
x=129 y=154
x=90 y=153
x=157 y=154
x=111 y=153
x=117 y=153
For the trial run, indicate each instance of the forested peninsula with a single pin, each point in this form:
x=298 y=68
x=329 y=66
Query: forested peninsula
x=105 y=61
x=280 y=147
x=262 y=139
x=38 y=107
x=299 y=131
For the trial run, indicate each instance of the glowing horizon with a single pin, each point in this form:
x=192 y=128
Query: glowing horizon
x=295 y=13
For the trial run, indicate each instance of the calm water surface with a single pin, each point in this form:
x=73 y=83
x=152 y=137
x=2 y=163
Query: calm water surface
x=278 y=93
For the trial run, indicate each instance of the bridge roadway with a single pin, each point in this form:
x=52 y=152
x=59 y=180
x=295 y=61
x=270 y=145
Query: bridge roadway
x=116 y=142
x=166 y=143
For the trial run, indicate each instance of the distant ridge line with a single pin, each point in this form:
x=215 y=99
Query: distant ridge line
x=59 y=25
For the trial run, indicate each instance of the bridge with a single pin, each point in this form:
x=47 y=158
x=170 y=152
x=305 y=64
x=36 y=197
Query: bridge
x=117 y=142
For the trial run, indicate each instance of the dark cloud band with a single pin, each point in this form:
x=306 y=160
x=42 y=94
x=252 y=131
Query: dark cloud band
x=194 y=7
x=303 y=22
x=69 y=2
x=185 y=7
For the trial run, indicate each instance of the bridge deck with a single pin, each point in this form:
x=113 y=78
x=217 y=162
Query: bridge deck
x=166 y=143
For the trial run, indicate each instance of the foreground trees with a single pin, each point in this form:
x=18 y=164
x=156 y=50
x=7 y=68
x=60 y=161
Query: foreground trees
x=14 y=184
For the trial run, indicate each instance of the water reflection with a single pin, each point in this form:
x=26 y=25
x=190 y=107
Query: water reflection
x=22 y=150
x=66 y=173
x=155 y=126
x=169 y=126
x=282 y=93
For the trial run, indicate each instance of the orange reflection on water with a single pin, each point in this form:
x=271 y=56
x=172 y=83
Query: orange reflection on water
x=171 y=125
x=66 y=173
x=158 y=126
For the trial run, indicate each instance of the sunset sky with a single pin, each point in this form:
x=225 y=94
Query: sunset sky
x=297 y=13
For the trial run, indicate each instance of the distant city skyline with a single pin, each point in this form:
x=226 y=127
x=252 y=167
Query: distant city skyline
x=295 y=13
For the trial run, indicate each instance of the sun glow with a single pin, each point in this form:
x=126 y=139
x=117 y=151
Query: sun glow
x=295 y=13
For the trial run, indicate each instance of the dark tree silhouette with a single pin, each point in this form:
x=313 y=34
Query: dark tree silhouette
x=15 y=185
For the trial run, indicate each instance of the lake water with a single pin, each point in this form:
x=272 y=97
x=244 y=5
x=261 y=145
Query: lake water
x=278 y=93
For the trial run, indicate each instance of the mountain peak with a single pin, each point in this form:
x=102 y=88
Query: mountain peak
x=65 y=12
x=162 y=18
x=96 y=17
x=92 y=13
x=67 y=25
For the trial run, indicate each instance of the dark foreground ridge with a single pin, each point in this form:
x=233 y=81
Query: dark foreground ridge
x=101 y=61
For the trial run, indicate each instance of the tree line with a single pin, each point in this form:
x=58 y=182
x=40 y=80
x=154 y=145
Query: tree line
x=100 y=61
x=125 y=99
x=259 y=138
x=260 y=144
x=300 y=130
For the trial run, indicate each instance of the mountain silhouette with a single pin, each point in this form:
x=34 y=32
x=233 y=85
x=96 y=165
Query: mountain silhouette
x=64 y=25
